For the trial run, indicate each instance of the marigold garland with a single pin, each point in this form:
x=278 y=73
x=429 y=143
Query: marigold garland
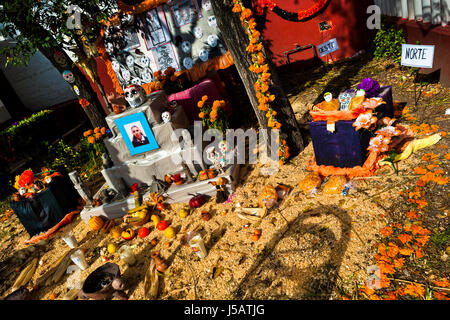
x=301 y=15
x=261 y=68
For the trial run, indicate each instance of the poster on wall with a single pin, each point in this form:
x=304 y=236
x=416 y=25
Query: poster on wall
x=165 y=57
x=153 y=27
x=119 y=40
x=184 y=12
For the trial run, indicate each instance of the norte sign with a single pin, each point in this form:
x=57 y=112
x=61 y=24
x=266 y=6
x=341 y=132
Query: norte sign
x=419 y=56
x=328 y=47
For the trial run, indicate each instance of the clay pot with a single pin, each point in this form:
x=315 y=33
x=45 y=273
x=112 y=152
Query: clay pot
x=160 y=263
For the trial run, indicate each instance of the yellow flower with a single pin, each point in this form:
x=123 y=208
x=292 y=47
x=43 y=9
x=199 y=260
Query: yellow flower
x=200 y=104
x=201 y=115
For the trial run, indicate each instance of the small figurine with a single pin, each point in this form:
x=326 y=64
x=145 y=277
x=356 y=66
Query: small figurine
x=329 y=104
x=135 y=95
x=213 y=156
x=166 y=117
x=345 y=98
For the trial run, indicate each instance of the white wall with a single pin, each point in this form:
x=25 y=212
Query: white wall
x=39 y=85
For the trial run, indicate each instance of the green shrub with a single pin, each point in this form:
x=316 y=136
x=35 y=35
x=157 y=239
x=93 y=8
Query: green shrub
x=388 y=42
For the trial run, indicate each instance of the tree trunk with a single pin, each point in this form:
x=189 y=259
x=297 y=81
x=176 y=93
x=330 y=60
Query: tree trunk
x=236 y=40
x=94 y=110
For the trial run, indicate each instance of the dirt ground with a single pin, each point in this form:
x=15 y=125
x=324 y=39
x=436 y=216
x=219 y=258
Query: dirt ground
x=311 y=246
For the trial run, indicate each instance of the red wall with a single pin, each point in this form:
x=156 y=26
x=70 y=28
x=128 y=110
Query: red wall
x=348 y=18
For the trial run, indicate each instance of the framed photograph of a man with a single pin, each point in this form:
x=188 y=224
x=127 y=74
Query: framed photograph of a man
x=136 y=133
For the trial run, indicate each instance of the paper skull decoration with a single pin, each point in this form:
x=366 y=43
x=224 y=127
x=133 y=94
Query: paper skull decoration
x=115 y=65
x=187 y=63
x=186 y=46
x=198 y=32
x=212 y=21
x=126 y=75
x=60 y=58
x=68 y=76
x=130 y=61
x=136 y=81
x=203 y=55
x=206 y=5
x=223 y=147
x=22 y=191
x=166 y=116
x=146 y=75
x=135 y=95
x=212 y=40
x=145 y=61
x=345 y=99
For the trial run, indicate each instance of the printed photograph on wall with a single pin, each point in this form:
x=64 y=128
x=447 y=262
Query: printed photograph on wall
x=153 y=27
x=165 y=57
x=120 y=39
x=137 y=134
x=184 y=12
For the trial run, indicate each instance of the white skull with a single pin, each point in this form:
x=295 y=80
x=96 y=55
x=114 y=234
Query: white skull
x=223 y=146
x=166 y=116
x=203 y=55
x=68 y=76
x=135 y=95
x=186 y=46
x=48 y=179
x=126 y=75
x=22 y=191
x=145 y=61
x=187 y=63
x=130 y=61
x=115 y=65
x=109 y=48
x=211 y=154
x=212 y=40
x=212 y=21
x=206 y=5
x=136 y=81
x=147 y=76
x=60 y=58
x=198 y=32
x=77 y=91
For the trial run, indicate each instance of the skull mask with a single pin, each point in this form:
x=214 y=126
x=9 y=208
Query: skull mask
x=115 y=65
x=136 y=81
x=206 y=5
x=135 y=95
x=203 y=55
x=130 y=61
x=166 y=117
x=212 y=21
x=186 y=46
x=68 y=76
x=60 y=58
x=198 y=32
x=187 y=63
x=147 y=76
x=126 y=75
x=212 y=40
x=223 y=147
x=144 y=61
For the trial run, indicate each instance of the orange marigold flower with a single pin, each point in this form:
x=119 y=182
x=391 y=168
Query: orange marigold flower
x=399 y=262
x=447 y=156
x=421 y=183
x=406 y=251
x=200 y=104
x=237 y=8
x=265 y=76
x=103 y=130
x=414 y=289
x=412 y=215
x=201 y=115
x=98 y=135
x=441 y=295
x=97 y=130
x=422 y=240
x=421 y=203
x=444 y=283
x=87 y=133
x=419 y=253
x=386 y=231
x=420 y=170
x=216 y=104
x=204 y=98
x=404 y=238
x=91 y=139
x=386 y=267
x=431 y=166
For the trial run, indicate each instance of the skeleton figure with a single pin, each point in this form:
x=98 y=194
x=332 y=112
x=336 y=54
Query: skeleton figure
x=213 y=156
x=135 y=95
x=203 y=55
x=223 y=148
x=136 y=81
x=166 y=117
x=60 y=58
x=126 y=75
x=212 y=40
x=212 y=21
x=187 y=63
x=186 y=46
x=345 y=99
x=76 y=90
x=147 y=75
x=145 y=61
x=68 y=76
x=198 y=32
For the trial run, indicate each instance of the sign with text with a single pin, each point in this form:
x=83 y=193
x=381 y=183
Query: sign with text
x=328 y=47
x=420 y=56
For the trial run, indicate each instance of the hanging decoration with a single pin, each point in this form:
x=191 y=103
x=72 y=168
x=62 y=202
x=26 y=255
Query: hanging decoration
x=290 y=16
x=261 y=68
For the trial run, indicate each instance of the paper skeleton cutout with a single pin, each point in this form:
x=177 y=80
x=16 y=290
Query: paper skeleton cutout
x=130 y=61
x=344 y=98
x=147 y=75
x=212 y=40
x=212 y=21
x=187 y=63
x=223 y=148
x=126 y=75
x=68 y=76
x=136 y=81
x=203 y=55
x=166 y=116
x=186 y=46
x=144 y=61
x=60 y=58
x=198 y=32
x=135 y=95
x=206 y=5
x=328 y=96
x=115 y=65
